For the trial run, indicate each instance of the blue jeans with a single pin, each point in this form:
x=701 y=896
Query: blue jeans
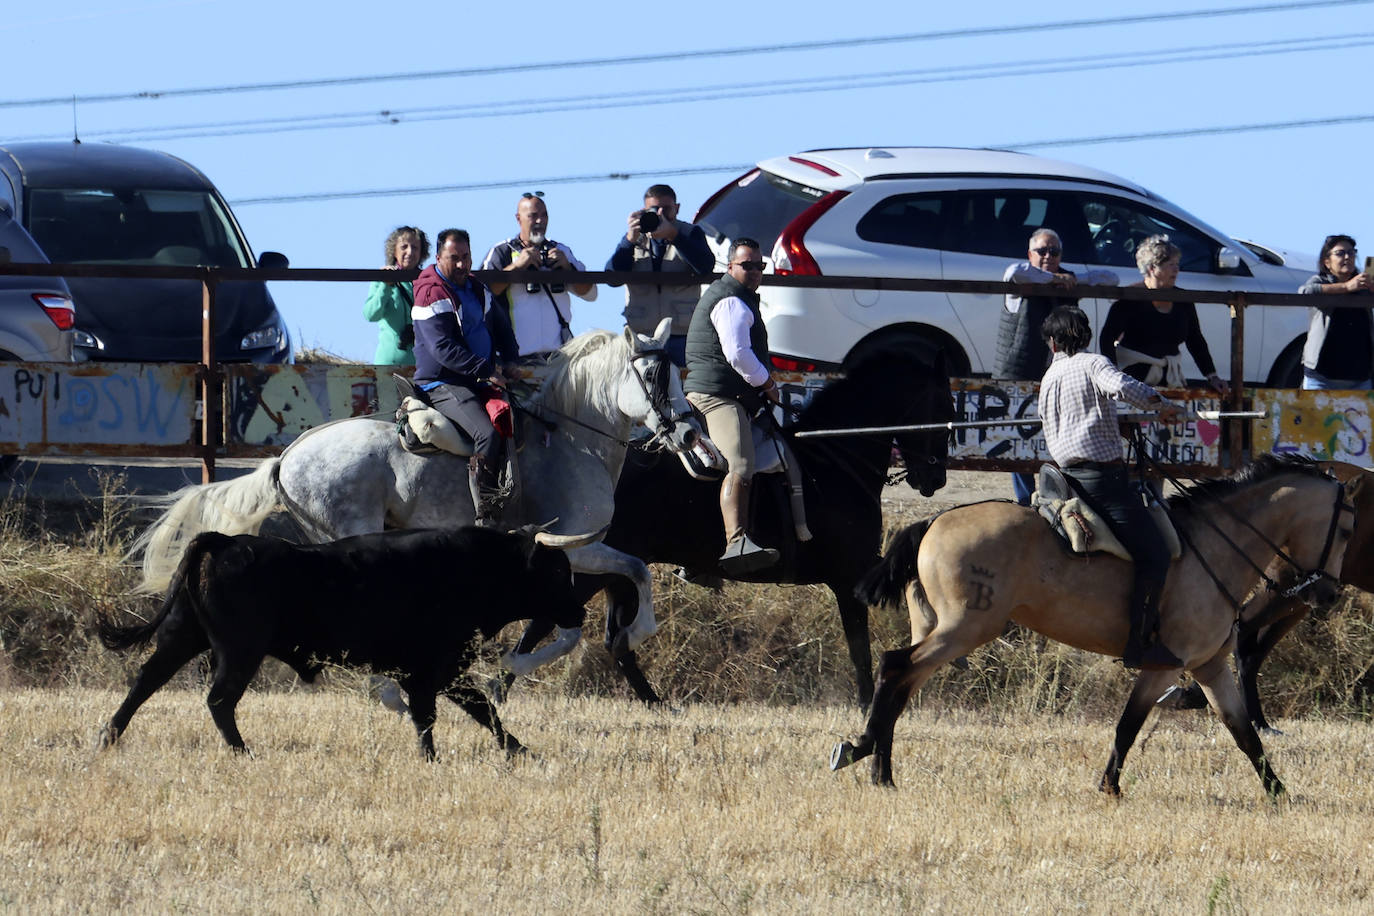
x=1314 y=382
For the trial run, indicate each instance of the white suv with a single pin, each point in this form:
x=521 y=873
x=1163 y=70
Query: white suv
x=965 y=214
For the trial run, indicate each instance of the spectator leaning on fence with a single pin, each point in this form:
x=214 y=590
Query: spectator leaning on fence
x=540 y=313
x=1143 y=338
x=389 y=301
x=1340 y=338
x=1021 y=352
x=657 y=241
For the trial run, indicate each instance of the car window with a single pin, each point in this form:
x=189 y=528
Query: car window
x=7 y=198
x=1118 y=226
x=144 y=226
x=758 y=206
x=1000 y=223
x=914 y=220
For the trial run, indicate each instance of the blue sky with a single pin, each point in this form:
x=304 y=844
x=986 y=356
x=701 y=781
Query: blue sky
x=1285 y=187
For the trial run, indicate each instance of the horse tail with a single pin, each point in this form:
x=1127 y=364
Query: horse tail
x=186 y=579
x=885 y=584
x=237 y=506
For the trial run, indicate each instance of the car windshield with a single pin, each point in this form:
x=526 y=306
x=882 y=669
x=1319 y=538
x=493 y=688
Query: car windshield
x=758 y=206
x=138 y=226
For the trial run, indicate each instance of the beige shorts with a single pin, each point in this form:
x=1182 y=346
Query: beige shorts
x=727 y=423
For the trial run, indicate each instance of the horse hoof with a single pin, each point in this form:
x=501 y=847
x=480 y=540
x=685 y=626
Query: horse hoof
x=107 y=737
x=841 y=756
x=1268 y=731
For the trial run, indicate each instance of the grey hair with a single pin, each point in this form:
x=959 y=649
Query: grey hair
x=1046 y=233
x=1155 y=251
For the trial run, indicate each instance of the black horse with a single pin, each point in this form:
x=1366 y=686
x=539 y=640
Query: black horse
x=663 y=515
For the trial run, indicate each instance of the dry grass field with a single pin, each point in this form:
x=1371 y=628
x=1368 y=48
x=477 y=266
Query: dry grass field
x=621 y=809
x=721 y=803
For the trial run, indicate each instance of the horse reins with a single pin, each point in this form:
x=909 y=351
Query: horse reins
x=1307 y=578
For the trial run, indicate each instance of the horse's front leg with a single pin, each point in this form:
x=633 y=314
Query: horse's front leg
x=1224 y=697
x=1148 y=686
x=598 y=558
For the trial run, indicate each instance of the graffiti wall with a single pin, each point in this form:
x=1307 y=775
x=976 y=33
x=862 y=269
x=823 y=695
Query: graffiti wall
x=1327 y=425
x=49 y=409
x=271 y=405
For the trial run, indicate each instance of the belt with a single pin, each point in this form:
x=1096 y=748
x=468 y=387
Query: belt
x=1094 y=465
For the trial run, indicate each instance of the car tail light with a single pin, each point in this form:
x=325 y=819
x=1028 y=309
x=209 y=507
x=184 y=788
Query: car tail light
x=788 y=364
x=790 y=256
x=58 y=308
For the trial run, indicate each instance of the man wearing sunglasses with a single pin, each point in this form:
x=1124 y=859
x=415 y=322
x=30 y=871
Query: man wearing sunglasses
x=1021 y=352
x=729 y=382
x=540 y=313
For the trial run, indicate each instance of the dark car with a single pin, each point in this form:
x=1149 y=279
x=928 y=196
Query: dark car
x=96 y=203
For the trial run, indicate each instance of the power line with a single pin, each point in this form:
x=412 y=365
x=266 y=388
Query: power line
x=742 y=167
x=792 y=47
x=848 y=82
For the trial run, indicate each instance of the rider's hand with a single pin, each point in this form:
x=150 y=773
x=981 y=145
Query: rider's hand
x=1169 y=412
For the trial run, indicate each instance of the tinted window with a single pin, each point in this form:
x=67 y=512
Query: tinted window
x=758 y=206
x=76 y=225
x=1117 y=226
x=907 y=219
x=1000 y=223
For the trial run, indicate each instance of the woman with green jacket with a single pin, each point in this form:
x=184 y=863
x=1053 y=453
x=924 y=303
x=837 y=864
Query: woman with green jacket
x=388 y=302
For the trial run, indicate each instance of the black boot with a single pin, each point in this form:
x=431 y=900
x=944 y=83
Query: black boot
x=1143 y=647
x=485 y=486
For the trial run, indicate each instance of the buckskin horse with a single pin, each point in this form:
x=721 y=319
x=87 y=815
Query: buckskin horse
x=966 y=572
x=663 y=515
x=353 y=477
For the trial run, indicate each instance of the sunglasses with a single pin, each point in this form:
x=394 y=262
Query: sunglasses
x=528 y=194
x=1048 y=251
x=749 y=265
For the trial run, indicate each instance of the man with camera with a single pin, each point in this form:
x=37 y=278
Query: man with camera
x=658 y=242
x=540 y=313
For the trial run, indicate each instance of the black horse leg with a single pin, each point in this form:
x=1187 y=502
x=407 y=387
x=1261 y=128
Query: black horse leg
x=175 y=648
x=894 y=689
x=475 y=704
x=1148 y=686
x=1225 y=699
x=233 y=672
x=1251 y=651
x=854 y=620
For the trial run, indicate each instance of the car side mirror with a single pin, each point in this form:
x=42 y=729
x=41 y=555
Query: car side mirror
x=273 y=260
x=1228 y=259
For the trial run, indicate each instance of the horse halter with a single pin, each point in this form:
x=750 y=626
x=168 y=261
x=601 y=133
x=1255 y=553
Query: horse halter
x=1342 y=506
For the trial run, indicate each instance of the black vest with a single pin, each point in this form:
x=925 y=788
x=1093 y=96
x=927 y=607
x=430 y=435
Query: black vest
x=708 y=372
x=1021 y=352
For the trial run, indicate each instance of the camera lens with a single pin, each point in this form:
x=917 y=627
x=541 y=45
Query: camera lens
x=648 y=221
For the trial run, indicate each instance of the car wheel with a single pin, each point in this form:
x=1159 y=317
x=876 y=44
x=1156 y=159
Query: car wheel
x=912 y=339
x=1287 y=369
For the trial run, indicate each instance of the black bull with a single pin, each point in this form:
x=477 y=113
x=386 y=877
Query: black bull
x=412 y=604
x=662 y=515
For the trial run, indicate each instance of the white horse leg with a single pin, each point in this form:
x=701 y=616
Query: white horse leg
x=522 y=663
x=598 y=558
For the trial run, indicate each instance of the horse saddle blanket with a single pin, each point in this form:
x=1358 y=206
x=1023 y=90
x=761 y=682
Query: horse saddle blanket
x=1082 y=526
x=425 y=431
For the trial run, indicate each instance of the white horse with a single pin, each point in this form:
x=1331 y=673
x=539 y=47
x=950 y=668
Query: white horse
x=352 y=476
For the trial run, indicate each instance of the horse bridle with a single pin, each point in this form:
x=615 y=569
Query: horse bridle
x=653 y=383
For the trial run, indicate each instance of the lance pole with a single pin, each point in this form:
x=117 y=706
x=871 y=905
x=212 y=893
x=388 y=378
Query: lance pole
x=1023 y=421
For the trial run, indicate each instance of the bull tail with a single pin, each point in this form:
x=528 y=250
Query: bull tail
x=885 y=584
x=186 y=580
x=237 y=506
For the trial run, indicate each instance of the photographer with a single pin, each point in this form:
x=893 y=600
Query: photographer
x=540 y=313
x=658 y=242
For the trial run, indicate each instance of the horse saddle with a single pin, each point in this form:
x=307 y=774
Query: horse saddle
x=1078 y=523
x=421 y=429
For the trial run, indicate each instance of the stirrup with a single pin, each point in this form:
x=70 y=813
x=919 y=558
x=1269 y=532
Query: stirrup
x=699 y=578
x=742 y=556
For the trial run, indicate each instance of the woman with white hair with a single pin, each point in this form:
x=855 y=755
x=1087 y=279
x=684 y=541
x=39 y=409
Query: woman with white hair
x=1143 y=337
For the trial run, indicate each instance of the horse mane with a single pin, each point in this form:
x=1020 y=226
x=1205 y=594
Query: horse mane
x=576 y=384
x=1194 y=496
x=833 y=405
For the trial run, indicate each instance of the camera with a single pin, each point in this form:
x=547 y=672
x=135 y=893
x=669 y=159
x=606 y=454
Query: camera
x=649 y=220
x=545 y=246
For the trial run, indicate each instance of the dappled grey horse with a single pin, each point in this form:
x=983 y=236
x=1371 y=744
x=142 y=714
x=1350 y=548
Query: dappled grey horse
x=353 y=477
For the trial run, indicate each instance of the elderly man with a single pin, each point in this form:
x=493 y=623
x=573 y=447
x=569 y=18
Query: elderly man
x=461 y=340
x=540 y=313
x=728 y=381
x=656 y=241
x=1021 y=353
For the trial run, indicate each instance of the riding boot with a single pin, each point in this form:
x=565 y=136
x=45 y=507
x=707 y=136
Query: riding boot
x=742 y=556
x=485 y=487
x=1143 y=646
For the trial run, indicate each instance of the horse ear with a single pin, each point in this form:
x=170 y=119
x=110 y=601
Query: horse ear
x=663 y=331
x=631 y=339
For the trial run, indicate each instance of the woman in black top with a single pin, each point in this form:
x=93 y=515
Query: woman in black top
x=1340 y=338
x=1143 y=338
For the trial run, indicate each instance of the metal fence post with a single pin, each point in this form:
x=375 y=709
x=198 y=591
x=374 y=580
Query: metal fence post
x=209 y=383
x=1236 y=431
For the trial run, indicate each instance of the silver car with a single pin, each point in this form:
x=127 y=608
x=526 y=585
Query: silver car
x=966 y=214
x=36 y=313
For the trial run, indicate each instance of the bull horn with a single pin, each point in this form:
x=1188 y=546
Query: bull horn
x=569 y=541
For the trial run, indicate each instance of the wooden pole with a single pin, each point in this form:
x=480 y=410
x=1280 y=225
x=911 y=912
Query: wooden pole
x=1236 y=431
x=209 y=383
